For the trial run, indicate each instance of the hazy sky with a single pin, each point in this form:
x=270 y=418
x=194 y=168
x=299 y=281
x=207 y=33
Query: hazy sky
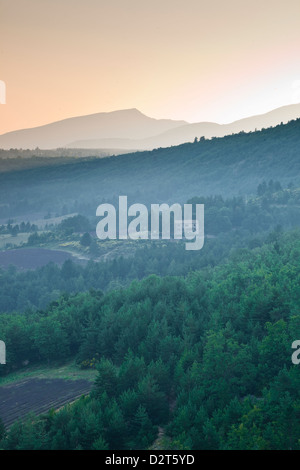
x=214 y=60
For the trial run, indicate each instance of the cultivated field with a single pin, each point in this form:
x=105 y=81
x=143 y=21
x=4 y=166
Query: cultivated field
x=38 y=396
x=32 y=258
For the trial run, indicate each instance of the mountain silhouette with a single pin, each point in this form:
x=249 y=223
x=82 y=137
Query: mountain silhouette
x=132 y=130
x=128 y=124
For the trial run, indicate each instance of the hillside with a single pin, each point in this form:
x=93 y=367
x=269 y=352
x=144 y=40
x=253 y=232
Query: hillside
x=232 y=165
x=193 y=348
x=215 y=374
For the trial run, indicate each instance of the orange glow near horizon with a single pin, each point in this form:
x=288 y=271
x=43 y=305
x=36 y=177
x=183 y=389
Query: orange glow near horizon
x=193 y=60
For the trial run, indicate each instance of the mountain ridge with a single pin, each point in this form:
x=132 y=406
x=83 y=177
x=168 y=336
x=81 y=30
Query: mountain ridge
x=229 y=166
x=131 y=129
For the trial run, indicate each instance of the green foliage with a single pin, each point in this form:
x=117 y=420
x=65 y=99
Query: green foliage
x=196 y=343
x=78 y=223
x=86 y=239
x=232 y=165
x=229 y=225
x=207 y=356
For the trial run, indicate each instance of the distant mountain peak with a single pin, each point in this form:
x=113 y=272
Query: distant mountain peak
x=131 y=129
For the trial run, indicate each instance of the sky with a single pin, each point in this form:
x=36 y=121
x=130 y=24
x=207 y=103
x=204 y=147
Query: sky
x=216 y=60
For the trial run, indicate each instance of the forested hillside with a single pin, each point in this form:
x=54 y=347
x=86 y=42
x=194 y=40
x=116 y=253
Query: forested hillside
x=230 y=224
x=195 y=347
x=207 y=357
x=229 y=166
x=150 y=266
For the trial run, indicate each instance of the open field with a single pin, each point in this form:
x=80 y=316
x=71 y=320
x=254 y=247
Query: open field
x=32 y=258
x=38 y=219
x=41 y=222
x=38 y=396
x=66 y=371
x=40 y=388
x=17 y=240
